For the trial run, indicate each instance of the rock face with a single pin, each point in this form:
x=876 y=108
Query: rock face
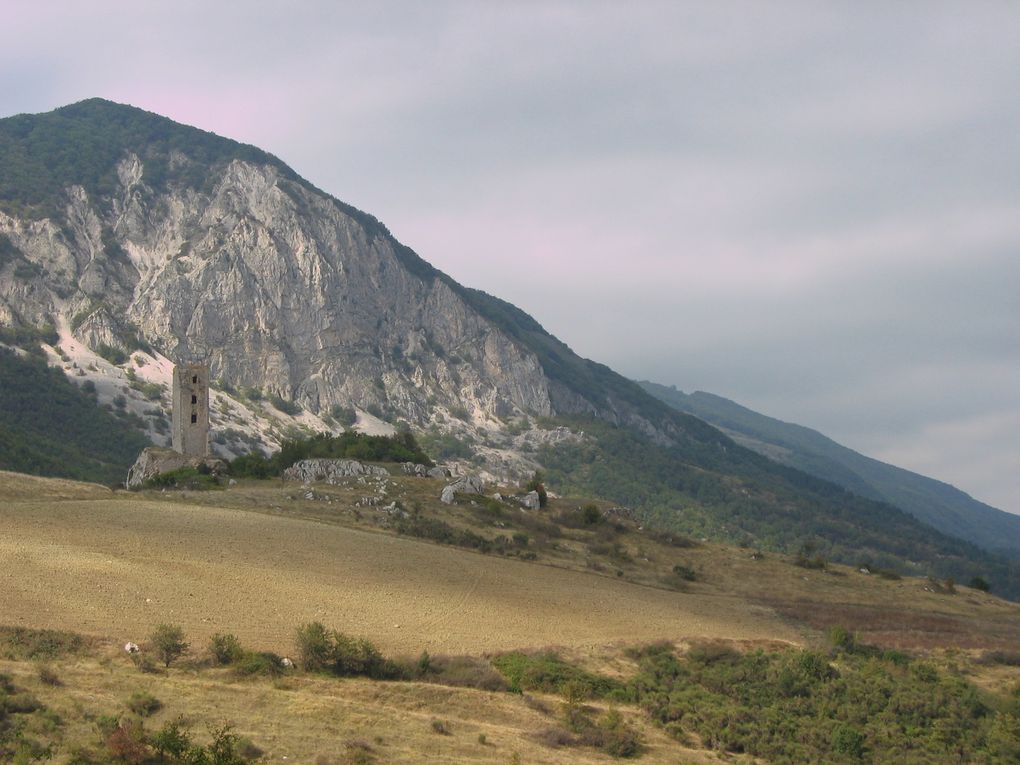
x=201 y=247
x=329 y=471
x=469 y=484
x=155 y=460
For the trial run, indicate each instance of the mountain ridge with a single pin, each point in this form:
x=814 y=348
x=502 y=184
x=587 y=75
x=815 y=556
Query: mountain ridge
x=935 y=502
x=302 y=300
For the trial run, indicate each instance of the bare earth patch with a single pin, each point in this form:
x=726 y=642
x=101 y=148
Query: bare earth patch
x=118 y=566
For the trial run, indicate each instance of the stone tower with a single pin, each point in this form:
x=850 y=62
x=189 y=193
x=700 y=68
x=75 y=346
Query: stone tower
x=191 y=409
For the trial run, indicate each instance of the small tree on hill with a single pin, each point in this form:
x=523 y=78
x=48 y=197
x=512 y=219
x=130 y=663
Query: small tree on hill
x=168 y=640
x=537 y=484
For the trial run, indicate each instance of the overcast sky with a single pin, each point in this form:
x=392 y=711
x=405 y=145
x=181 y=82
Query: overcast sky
x=811 y=208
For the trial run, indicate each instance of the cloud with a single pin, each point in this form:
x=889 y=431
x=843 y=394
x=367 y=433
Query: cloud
x=810 y=208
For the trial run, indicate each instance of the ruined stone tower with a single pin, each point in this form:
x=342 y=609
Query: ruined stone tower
x=191 y=409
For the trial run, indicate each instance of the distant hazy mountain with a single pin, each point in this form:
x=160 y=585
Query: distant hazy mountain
x=934 y=502
x=137 y=239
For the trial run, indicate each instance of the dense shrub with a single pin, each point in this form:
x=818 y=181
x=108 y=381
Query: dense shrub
x=350 y=445
x=794 y=706
x=226 y=649
x=188 y=478
x=548 y=673
x=332 y=651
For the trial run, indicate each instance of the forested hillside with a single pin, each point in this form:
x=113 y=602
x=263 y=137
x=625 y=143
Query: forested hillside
x=936 y=503
x=48 y=426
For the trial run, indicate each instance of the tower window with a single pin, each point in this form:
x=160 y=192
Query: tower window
x=194 y=380
x=194 y=399
x=194 y=418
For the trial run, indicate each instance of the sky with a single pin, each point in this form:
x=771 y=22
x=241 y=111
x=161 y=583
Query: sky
x=810 y=208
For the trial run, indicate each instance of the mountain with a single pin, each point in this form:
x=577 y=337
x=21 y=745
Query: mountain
x=936 y=503
x=138 y=240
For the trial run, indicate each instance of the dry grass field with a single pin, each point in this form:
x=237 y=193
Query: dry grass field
x=262 y=558
x=115 y=565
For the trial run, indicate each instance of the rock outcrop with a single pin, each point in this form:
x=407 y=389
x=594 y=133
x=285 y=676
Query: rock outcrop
x=329 y=470
x=469 y=484
x=155 y=460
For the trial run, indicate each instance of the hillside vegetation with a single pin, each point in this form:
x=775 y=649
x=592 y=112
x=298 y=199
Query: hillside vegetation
x=584 y=637
x=398 y=359
x=739 y=496
x=938 y=504
x=49 y=426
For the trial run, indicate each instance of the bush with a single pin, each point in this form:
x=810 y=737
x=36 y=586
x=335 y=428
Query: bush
x=144 y=704
x=168 y=641
x=344 y=415
x=979 y=583
x=287 y=407
x=260 y=663
x=226 y=649
x=548 y=673
x=323 y=650
x=686 y=573
x=113 y=355
x=189 y=478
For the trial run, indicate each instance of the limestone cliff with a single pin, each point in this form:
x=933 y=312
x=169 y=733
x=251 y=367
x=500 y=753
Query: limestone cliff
x=192 y=245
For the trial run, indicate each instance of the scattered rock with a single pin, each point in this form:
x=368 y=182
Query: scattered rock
x=414 y=468
x=329 y=471
x=131 y=647
x=469 y=484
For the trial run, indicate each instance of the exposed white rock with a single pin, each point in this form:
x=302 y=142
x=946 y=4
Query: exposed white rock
x=469 y=484
x=329 y=471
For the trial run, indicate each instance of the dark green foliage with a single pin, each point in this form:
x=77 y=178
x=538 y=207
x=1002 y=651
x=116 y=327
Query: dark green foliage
x=29 y=338
x=259 y=663
x=417 y=525
x=446 y=446
x=81 y=144
x=738 y=496
x=794 y=706
x=192 y=479
x=8 y=251
x=943 y=506
x=345 y=416
x=50 y=427
x=548 y=673
x=350 y=445
x=287 y=407
x=114 y=355
x=979 y=583
x=332 y=651
x=252 y=465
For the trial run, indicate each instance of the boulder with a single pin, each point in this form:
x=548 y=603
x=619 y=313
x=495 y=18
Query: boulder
x=413 y=468
x=469 y=484
x=329 y=470
x=438 y=472
x=531 y=501
x=156 y=460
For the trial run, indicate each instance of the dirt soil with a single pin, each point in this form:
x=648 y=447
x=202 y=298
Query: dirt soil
x=112 y=565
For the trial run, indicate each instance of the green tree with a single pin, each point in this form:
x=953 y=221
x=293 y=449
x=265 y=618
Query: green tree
x=168 y=640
